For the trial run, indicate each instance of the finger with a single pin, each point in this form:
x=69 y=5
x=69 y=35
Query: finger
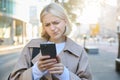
x=56 y=67
x=56 y=72
x=41 y=67
x=44 y=57
x=49 y=65
x=47 y=61
x=45 y=64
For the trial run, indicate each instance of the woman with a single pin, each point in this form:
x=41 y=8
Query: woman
x=71 y=62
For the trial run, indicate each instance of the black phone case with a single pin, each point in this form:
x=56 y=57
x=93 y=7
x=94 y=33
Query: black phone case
x=48 y=49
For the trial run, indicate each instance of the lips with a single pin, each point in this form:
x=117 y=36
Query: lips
x=55 y=33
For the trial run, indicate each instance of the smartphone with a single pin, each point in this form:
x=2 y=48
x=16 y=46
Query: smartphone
x=48 y=49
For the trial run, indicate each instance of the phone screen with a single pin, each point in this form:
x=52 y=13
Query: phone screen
x=48 y=49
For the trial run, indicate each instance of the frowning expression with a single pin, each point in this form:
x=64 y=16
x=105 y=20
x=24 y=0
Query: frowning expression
x=54 y=26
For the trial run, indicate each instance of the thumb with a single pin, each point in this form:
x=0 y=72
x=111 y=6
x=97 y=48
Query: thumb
x=58 y=59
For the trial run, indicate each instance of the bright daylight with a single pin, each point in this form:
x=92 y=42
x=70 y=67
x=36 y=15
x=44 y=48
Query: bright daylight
x=64 y=39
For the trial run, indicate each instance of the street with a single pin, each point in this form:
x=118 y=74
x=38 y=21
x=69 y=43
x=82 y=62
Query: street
x=102 y=64
x=7 y=63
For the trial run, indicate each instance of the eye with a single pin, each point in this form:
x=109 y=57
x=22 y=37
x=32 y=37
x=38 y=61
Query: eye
x=47 y=24
x=56 y=22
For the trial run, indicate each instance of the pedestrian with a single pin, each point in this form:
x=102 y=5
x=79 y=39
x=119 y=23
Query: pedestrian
x=71 y=62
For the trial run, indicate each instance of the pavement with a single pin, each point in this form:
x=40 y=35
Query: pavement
x=102 y=64
x=10 y=48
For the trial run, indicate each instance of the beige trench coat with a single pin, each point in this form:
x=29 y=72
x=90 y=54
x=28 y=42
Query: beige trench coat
x=73 y=57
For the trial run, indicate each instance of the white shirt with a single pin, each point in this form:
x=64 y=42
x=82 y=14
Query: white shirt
x=37 y=74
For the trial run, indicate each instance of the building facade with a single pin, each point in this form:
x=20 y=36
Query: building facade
x=19 y=20
x=12 y=26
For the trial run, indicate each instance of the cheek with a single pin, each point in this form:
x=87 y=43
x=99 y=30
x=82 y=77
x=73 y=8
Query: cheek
x=62 y=28
x=45 y=30
x=48 y=31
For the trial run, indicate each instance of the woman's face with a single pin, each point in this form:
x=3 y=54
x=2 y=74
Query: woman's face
x=54 y=27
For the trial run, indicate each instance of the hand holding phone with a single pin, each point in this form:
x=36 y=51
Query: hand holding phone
x=48 y=49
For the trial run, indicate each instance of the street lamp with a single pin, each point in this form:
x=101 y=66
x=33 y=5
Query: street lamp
x=84 y=39
x=118 y=56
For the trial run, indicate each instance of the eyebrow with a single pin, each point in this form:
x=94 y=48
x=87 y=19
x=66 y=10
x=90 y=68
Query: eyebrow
x=53 y=21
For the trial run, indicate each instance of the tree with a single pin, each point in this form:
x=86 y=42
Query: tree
x=72 y=5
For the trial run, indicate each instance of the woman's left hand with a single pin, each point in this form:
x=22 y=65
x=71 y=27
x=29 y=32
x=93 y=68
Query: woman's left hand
x=57 y=68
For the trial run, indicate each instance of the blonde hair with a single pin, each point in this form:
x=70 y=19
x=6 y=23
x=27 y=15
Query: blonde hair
x=58 y=11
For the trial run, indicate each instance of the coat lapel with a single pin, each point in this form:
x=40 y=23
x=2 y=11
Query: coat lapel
x=36 y=58
x=36 y=44
x=68 y=50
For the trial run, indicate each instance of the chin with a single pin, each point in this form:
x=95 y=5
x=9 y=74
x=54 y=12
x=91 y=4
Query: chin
x=57 y=37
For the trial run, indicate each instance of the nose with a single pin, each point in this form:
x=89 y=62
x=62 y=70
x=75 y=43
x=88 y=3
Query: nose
x=52 y=27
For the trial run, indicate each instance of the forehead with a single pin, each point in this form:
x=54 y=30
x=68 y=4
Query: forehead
x=49 y=18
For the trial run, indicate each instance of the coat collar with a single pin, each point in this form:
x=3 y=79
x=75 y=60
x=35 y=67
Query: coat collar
x=36 y=42
x=70 y=46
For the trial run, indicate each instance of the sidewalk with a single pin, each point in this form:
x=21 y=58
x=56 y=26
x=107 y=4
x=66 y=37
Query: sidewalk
x=10 y=48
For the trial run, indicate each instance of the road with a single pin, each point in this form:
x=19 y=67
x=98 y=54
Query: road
x=7 y=63
x=103 y=63
x=103 y=66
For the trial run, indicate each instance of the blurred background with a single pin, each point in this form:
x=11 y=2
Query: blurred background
x=95 y=23
x=19 y=19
